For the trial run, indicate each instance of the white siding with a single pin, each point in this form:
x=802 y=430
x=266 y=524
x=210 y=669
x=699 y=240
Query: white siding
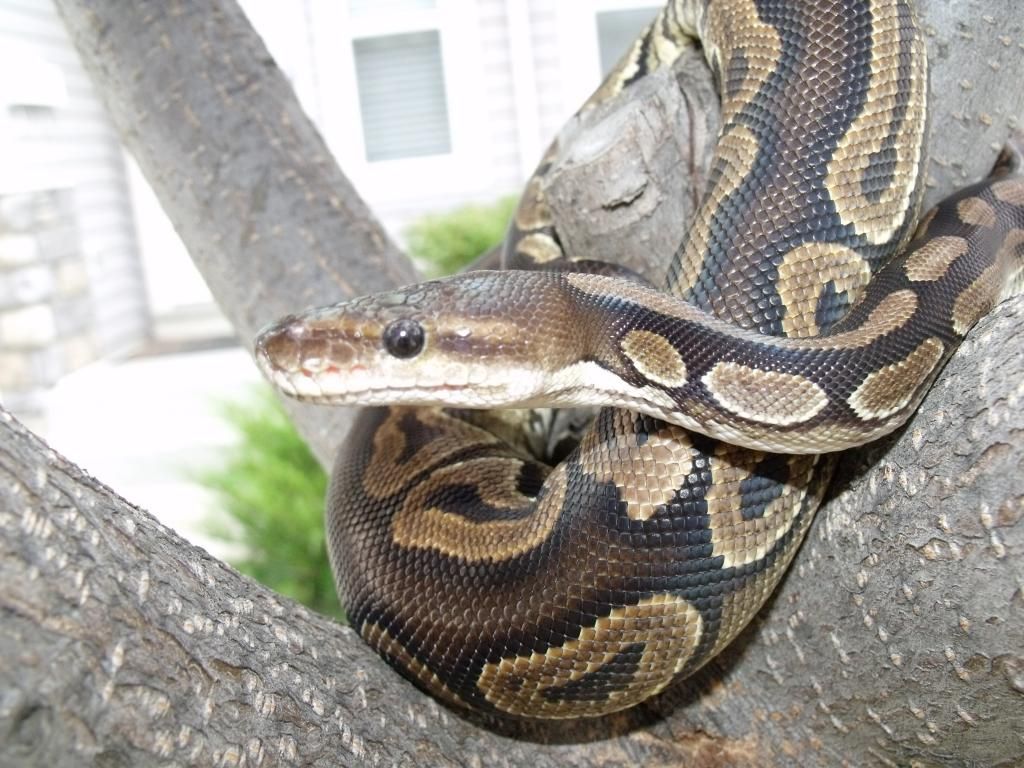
x=545 y=24
x=497 y=100
x=85 y=156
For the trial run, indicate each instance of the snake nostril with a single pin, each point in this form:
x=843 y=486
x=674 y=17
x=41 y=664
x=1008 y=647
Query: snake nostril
x=279 y=343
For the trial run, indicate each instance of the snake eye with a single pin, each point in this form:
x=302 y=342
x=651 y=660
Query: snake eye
x=403 y=338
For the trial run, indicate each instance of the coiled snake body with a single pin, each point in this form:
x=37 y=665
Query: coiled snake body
x=499 y=583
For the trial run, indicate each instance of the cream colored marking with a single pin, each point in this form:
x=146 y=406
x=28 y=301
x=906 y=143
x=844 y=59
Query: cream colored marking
x=888 y=390
x=891 y=313
x=647 y=475
x=974 y=210
x=977 y=299
x=821 y=438
x=878 y=220
x=654 y=356
x=533 y=211
x=417 y=525
x=662 y=51
x=1009 y=191
x=737 y=149
x=737 y=27
x=665 y=49
x=768 y=397
x=378 y=638
x=931 y=260
x=739 y=541
x=740 y=604
x=540 y=247
x=579 y=380
x=803 y=274
x=384 y=478
x=668 y=627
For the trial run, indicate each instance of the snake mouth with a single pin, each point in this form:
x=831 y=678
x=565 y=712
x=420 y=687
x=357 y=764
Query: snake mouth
x=333 y=387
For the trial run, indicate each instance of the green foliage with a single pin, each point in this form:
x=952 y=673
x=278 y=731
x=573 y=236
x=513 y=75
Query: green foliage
x=272 y=489
x=444 y=243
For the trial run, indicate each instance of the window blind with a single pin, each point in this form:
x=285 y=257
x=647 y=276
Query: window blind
x=402 y=95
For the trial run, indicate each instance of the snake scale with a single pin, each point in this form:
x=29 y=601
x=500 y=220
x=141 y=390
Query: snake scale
x=787 y=328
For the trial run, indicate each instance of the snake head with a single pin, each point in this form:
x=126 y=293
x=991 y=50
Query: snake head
x=473 y=340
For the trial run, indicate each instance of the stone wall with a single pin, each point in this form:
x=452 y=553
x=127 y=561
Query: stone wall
x=46 y=317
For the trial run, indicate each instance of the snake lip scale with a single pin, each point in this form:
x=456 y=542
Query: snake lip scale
x=807 y=311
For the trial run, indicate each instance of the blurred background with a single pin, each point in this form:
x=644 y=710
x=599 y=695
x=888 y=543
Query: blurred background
x=111 y=347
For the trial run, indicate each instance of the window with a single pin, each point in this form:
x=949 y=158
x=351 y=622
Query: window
x=616 y=31
x=402 y=97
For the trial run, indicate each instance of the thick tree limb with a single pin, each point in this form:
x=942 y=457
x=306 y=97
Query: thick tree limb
x=896 y=638
x=897 y=635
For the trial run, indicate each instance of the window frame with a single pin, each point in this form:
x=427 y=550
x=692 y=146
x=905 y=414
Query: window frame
x=456 y=173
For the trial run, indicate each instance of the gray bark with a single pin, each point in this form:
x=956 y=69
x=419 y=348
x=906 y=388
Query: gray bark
x=896 y=639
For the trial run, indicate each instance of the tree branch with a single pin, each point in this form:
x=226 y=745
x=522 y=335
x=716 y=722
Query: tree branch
x=898 y=633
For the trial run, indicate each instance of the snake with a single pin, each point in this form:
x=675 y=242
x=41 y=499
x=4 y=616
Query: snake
x=807 y=311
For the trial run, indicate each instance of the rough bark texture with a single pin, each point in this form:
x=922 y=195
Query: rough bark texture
x=246 y=179
x=897 y=638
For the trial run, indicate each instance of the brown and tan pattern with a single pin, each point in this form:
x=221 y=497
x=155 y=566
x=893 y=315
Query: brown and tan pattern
x=738 y=148
x=976 y=211
x=745 y=51
x=739 y=536
x=420 y=524
x=655 y=357
x=646 y=469
x=665 y=629
x=873 y=172
x=393 y=460
x=387 y=646
x=514 y=588
x=1009 y=192
x=804 y=274
x=978 y=298
x=883 y=392
x=931 y=261
x=891 y=314
x=768 y=397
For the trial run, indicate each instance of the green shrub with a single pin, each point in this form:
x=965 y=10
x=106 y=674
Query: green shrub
x=272 y=489
x=444 y=243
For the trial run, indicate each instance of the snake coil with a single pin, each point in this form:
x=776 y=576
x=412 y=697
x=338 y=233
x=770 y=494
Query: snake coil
x=786 y=329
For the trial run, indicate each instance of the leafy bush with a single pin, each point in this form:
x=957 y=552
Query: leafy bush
x=272 y=489
x=444 y=243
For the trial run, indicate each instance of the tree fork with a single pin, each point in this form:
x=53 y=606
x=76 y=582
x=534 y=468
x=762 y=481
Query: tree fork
x=896 y=637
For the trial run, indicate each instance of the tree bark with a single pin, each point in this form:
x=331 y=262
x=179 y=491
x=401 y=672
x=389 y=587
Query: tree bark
x=897 y=637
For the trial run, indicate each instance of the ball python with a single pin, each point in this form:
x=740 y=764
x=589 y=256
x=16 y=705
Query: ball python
x=786 y=329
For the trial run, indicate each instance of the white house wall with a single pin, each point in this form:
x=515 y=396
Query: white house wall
x=515 y=70
x=76 y=149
